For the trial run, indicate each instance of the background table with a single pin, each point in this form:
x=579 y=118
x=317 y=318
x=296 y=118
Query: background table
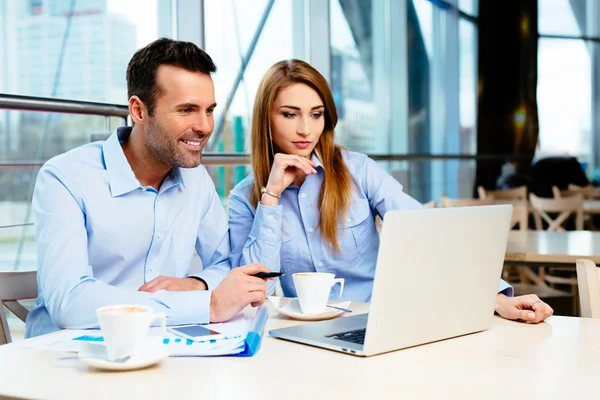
x=548 y=248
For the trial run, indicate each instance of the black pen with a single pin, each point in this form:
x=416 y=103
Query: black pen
x=267 y=275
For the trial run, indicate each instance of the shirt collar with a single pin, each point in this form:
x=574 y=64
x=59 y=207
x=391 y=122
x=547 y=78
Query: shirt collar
x=120 y=175
x=121 y=178
x=316 y=160
x=176 y=177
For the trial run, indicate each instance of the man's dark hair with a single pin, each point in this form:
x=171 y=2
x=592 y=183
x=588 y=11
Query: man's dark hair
x=141 y=71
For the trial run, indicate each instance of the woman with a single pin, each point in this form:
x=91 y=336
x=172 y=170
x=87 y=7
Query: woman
x=310 y=205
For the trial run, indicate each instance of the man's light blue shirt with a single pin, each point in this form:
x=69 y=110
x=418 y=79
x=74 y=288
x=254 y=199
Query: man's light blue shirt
x=285 y=237
x=100 y=236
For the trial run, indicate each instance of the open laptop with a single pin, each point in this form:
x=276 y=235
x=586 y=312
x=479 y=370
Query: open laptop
x=437 y=277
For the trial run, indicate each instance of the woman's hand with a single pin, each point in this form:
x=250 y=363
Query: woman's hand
x=283 y=172
x=528 y=308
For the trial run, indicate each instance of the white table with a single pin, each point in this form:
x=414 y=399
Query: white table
x=532 y=247
x=557 y=359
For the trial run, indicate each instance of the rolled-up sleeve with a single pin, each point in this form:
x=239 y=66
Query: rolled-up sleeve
x=505 y=289
x=255 y=238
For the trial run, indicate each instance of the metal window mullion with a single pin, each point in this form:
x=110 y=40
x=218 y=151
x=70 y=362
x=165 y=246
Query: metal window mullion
x=380 y=76
x=437 y=104
x=190 y=21
x=593 y=30
x=452 y=104
x=317 y=36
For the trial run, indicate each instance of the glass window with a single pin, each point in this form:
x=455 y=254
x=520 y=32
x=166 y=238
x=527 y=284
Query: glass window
x=91 y=66
x=470 y=7
x=99 y=29
x=351 y=74
x=468 y=86
x=356 y=53
x=564 y=97
x=458 y=176
x=230 y=27
x=424 y=20
x=420 y=65
x=27 y=139
x=562 y=17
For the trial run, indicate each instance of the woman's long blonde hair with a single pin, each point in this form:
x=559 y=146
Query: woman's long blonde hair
x=336 y=192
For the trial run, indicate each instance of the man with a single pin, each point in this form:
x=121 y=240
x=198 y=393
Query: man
x=117 y=222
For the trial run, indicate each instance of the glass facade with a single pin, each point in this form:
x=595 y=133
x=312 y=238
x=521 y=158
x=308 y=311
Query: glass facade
x=244 y=39
x=75 y=50
x=386 y=63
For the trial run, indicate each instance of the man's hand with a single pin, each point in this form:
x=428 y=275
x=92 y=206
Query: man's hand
x=528 y=308
x=236 y=291
x=172 y=284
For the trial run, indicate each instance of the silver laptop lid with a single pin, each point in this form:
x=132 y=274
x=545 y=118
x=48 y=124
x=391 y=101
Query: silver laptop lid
x=437 y=275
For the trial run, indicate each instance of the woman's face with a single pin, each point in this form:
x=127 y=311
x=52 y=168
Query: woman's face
x=297 y=120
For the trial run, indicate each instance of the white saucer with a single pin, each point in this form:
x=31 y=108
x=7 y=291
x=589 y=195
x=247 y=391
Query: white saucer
x=292 y=310
x=94 y=354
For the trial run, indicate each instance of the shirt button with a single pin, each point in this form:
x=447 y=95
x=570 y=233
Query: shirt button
x=349 y=220
x=271 y=218
x=320 y=264
x=143 y=189
x=269 y=230
x=311 y=230
x=158 y=236
x=303 y=195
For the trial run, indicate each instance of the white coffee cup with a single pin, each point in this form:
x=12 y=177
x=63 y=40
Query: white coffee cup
x=125 y=328
x=313 y=290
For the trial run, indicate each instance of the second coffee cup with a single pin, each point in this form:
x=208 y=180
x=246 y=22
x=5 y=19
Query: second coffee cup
x=313 y=289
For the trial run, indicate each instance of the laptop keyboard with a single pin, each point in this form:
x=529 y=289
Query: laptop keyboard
x=355 y=336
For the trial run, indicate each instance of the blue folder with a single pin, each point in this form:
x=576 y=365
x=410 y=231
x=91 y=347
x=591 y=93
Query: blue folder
x=255 y=333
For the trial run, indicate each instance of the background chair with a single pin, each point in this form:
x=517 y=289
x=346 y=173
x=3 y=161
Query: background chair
x=520 y=208
x=588 y=192
x=520 y=215
x=449 y=202
x=15 y=286
x=525 y=280
x=588 y=277
x=563 y=206
x=515 y=196
x=518 y=193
